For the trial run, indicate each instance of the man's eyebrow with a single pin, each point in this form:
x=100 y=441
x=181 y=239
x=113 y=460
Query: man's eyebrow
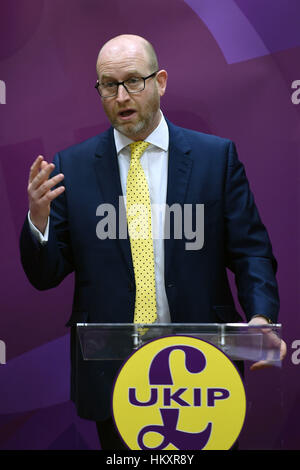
x=106 y=76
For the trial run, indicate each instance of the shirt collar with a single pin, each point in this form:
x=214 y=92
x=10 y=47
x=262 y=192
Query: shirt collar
x=159 y=137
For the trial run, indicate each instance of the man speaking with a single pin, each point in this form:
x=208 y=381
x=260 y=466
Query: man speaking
x=144 y=160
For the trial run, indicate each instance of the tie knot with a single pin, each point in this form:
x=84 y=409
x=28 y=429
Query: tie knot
x=137 y=148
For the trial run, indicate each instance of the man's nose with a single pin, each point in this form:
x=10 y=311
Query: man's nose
x=122 y=94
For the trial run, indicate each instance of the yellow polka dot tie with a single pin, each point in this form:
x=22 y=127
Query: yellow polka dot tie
x=138 y=210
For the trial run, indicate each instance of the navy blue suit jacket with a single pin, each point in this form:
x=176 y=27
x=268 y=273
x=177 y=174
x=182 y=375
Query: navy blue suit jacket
x=203 y=169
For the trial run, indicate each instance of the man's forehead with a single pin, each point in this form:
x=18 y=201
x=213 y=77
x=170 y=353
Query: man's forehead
x=121 y=53
x=125 y=47
x=121 y=65
x=122 y=69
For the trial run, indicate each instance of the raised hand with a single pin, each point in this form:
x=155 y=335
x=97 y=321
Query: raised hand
x=40 y=193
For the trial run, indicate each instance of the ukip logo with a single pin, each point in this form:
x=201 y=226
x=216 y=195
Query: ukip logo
x=160 y=374
x=179 y=393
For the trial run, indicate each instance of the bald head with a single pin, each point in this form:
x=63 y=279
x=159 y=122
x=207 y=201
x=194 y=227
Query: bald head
x=128 y=44
x=131 y=61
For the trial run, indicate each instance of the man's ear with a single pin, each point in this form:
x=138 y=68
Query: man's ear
x=161 y=79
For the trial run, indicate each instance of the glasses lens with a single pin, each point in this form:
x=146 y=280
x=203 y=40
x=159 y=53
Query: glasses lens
x=134 y=84
x=108 y=89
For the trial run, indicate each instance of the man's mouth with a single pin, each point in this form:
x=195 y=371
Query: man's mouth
x=126 y=114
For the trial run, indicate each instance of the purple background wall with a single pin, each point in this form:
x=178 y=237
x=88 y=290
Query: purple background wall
x=231 y=66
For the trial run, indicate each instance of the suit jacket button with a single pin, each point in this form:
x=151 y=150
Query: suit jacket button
x=170 y=285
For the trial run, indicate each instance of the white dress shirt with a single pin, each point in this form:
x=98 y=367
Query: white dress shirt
x=155 y=165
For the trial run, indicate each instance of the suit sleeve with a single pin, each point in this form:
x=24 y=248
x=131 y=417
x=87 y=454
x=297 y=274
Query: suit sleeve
x=248 y=248
x=46 y=265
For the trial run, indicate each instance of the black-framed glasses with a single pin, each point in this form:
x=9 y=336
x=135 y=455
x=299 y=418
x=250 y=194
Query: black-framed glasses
x=131 y=85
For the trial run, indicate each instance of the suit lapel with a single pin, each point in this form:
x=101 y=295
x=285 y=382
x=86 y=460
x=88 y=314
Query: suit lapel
x=108 y=175
x=179 y=170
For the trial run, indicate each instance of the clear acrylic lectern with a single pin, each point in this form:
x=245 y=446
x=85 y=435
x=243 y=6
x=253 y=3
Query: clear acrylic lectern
x=239 y=341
